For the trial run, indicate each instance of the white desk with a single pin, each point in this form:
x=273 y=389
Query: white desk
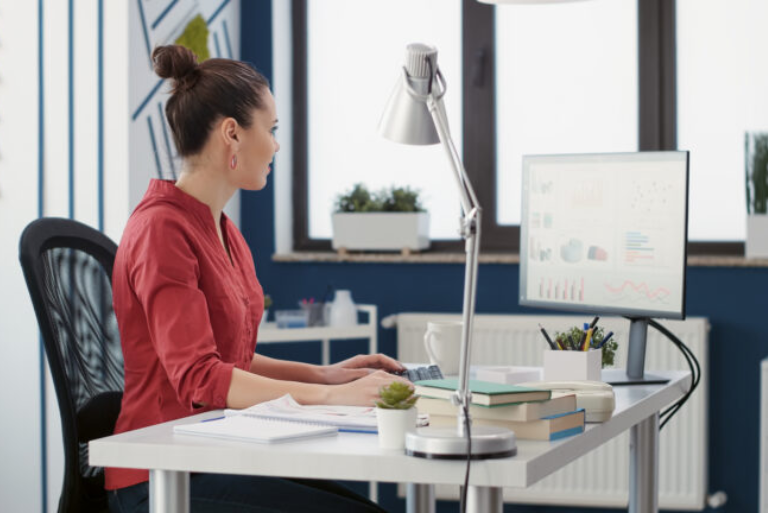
x=357 y=457
x=271 y=334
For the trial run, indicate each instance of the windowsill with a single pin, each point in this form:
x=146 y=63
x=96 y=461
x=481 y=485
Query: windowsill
x=485 y=258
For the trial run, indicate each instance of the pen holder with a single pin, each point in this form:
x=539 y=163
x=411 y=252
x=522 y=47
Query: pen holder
x=572 y=365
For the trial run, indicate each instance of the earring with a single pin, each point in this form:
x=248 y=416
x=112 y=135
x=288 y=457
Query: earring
x=233 y=162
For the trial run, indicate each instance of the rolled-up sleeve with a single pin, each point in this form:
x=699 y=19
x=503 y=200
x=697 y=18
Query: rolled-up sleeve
x=165 y=277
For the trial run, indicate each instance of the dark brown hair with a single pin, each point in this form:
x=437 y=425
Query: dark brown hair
x=203 y=93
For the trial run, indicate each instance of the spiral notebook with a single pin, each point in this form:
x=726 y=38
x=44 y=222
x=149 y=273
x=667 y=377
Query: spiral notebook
x=253 y=429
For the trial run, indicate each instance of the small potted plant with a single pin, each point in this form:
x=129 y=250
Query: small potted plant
x=389 y=220
x=396 y=414
x=756 y=160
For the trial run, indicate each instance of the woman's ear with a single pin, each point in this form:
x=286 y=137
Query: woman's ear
x=230 y=132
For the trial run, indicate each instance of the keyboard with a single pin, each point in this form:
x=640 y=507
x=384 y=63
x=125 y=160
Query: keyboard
x=421 y=373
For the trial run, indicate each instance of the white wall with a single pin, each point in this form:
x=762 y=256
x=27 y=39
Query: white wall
x=19 y=367
x=70 y=148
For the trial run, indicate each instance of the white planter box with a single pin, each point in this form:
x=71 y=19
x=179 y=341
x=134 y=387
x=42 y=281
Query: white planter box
x=757 y=236
x=381 y=231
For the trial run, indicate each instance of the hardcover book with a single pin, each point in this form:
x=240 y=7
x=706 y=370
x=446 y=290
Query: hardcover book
x=549 y=428
x=483 y=392
x=518 y=412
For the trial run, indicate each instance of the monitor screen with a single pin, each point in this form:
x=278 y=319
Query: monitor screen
x=605 y=233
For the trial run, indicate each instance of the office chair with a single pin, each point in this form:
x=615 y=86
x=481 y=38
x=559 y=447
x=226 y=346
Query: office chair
x=68 y=269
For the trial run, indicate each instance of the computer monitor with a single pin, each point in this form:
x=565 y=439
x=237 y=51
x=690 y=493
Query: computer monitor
x=606 y=234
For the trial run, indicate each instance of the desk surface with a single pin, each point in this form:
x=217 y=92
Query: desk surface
x=353 y=456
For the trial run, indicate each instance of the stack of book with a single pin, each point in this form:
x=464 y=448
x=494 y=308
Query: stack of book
x=532 y=414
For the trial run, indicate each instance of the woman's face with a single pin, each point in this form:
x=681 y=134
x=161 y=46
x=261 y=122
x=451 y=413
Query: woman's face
x=258 y=148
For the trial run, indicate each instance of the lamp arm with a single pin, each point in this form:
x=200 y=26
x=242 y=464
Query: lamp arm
x=466 y=193
x=470 y=231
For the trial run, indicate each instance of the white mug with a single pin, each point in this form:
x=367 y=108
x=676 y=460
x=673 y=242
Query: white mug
x=443 y=344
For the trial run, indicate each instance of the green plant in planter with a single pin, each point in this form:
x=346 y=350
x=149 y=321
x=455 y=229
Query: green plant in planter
x=359 y=199
x=609 y=349
x=400 y=199
x=395 y=199
x=756 y=160
x=195 y=37
x=396 y=396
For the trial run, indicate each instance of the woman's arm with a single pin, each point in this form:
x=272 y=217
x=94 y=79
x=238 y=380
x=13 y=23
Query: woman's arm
x=247 y=389
x=286 y=370
x=342 y=372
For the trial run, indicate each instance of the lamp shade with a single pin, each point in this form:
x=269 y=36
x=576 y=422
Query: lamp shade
x=406 y=118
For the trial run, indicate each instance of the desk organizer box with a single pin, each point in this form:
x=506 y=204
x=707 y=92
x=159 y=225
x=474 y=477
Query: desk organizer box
x=572 y=365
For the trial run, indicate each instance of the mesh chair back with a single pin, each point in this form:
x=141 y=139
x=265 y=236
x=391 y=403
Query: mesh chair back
x=68 y=269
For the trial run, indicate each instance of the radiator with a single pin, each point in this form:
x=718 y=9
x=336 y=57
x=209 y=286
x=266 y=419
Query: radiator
x=601 y=477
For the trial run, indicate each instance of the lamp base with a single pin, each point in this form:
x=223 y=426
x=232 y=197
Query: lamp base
x=488 y=442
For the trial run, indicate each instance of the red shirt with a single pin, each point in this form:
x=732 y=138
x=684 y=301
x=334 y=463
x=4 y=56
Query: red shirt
x=187 y=314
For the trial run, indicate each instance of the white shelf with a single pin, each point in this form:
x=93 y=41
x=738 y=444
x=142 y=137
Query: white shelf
x=269 y=333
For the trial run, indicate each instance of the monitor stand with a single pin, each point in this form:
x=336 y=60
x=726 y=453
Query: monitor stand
x=634 y=374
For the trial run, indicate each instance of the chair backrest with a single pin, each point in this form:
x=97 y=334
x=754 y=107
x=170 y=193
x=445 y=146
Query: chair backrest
x=68 y=269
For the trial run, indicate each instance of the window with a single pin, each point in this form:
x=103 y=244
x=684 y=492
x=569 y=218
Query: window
x=355 y=53
x=596 y=76
x=722 y=84
x=560 y=88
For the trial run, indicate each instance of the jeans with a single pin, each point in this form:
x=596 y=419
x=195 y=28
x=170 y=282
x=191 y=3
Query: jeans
x=223 y=493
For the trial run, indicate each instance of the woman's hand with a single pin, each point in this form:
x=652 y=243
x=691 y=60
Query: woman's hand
x=364 y=391
x=358 y=367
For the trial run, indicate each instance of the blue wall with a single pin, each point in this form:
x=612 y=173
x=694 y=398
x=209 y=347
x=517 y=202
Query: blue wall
x=732 y=298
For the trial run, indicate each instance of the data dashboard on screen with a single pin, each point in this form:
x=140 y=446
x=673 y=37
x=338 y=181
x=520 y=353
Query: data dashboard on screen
x=605 y=233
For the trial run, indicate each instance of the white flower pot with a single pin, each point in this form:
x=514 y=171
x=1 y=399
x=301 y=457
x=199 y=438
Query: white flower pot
x=393 y=425
x=757 y=236
x=381 y=231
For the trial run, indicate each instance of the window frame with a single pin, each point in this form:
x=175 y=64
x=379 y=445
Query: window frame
x=657 y=118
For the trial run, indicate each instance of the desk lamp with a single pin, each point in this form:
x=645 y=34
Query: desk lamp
x=415 y=114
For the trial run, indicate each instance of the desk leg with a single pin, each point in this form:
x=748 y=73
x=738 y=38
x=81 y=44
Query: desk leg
x=168 y=491
x=485 y=499
x=644 y=466
x=420 y=498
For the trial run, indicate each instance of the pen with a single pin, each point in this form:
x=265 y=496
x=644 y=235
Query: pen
x=587 y=340
x=573 y=343
x=605 y=339
x=583 y=337
x=546 y=336
x=209 y=420
x=594 y=322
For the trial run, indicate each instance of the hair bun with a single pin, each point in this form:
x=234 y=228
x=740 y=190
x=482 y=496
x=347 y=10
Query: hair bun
x=174 y=61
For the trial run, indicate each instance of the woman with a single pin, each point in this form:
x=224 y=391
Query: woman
x=188 y=303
